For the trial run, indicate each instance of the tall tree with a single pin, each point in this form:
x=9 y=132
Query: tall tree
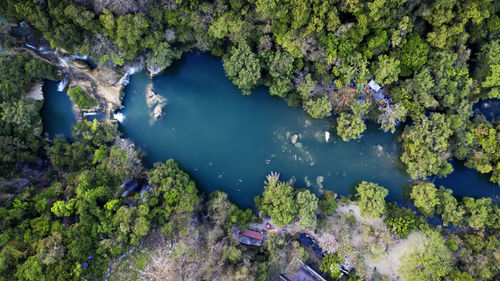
x=425 y=198
x=243 y=68
x=371 y=199
x=428 y=260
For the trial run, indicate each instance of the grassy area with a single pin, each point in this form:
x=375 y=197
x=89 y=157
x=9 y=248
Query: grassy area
x=80 y=98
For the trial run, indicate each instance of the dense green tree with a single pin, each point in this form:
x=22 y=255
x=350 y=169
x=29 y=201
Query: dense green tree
x=163 y=55
x=413 y=54
x=448 y=207
x=477 y=211
x=331 y=264
x=428 y=260
x=307 y=205
x=318 y=108
x=178 y=194
x=328 y=204
x=488 y=71
x=371 y=199
x=243 y=68
x=350 y=126
x=306 y=87
x=386 y=70
x=425 y=198
x=278 y=201
x=80 y=98
x=426 y=147
x=280 y=70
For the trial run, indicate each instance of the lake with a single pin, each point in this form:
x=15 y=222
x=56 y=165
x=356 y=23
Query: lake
x=229 y=141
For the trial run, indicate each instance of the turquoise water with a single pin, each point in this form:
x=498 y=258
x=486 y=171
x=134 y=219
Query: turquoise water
x=231 y=142
x=57 y=111
x=228 y=141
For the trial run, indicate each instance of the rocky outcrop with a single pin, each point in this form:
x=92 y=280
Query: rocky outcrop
x=155 y=101
x=153 y=70
x=100 y=82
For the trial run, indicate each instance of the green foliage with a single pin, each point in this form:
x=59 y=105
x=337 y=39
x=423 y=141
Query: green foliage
x=448 y=207
x=307 y=205
x=280 y=70
x=163 y=55
x=178 y=195
x=350 y=126
x=428 y=260
x=413 y=54
x=80 y=98
x=477 y=211
x=426 y=147
x=478 y=145
x=278 y=201
x=371 y=199
x=425 y=198
x=224 y=213
x=331 y=264
x=386 y=70
x=20 y=126
x=328 y=204
x=243 y=68
x=488 y=72
x=318 y=108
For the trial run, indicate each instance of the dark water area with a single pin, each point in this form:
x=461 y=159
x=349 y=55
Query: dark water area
x=57 y=110
x=229 y=141
x=490 y=108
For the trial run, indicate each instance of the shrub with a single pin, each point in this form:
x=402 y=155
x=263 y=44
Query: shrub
x=80 y=98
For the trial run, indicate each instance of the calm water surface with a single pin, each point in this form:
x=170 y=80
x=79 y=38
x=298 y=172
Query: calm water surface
x=57 y=111
x=231 y=142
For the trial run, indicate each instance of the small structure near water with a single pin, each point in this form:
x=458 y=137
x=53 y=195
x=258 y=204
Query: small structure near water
x=252 y=238
x=376 y=87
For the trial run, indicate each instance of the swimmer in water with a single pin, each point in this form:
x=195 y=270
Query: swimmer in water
x=220 y=176
x=240 y=180
x=268 y=161
x=294 y=157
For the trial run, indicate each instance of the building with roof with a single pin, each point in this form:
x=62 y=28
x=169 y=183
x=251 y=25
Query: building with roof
x=252 y=238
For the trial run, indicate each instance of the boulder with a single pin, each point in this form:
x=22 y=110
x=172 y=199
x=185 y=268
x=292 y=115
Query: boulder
x=155 y=101
x=158 y=111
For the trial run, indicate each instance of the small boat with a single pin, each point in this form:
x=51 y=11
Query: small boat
x=327 y=136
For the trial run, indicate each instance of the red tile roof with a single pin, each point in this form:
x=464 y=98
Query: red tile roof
x=253 y=234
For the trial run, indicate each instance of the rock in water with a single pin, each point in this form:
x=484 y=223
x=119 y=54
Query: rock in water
x=295 y=138
x=158 y=111
x=155 y=101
